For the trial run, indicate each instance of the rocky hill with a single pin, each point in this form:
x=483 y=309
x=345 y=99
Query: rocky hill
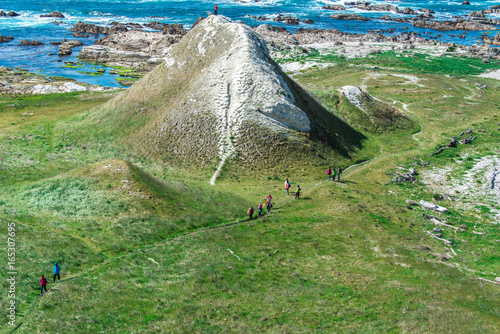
x=220 y=96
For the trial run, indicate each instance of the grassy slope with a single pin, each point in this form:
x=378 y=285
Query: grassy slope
x=351 y=257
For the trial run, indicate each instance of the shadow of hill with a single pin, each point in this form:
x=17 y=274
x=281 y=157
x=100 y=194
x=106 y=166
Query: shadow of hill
x=327 y=128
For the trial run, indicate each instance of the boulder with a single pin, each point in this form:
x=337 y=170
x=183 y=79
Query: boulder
x=432 y=206
x=198 y=20
x=496 y=40
x=408 y=11
x=53 y=14
x=275 y=35
x=334 y=7
x=25 y=42
x=349 y=17
x=87 y=28
x=78 y=34
x=11 y=13
x=5 y=39
x=466 y=2
x=65 y=48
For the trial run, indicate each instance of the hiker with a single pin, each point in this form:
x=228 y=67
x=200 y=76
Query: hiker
x=334 y=173
x=43 y=285
x=250 y=212
x=329 y=173
x=339 y=172
x=57 y=270
x=260 y=209
x=215 y=9
x=268 y=206
x=287 y=186
x=269 y=199
x=297 y=192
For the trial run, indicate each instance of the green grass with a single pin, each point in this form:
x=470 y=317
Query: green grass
x=351 y=256
x=406 y=62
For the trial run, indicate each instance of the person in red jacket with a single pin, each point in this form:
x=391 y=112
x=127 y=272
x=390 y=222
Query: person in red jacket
x=43 y=285
x=215 y=9
x=250 y=212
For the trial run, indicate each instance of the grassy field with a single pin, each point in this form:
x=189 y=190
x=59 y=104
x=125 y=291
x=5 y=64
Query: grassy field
x=144 y=246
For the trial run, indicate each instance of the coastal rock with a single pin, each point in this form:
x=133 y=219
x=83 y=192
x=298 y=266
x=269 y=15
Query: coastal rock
x=349 y=17
x=25 y=42
x=334 y=7
x=53 y=14
x=275 y=35
x=87 y=28
x=286 y=19
x=132 y=48
x=77 y=34
x=198 y=20
x=496 y=40
x=11 y=13
x=65 y=48
x=458 y=24
x=175 y=29
x=476 y=14
x=466 y=3
x=5 y=39
x=408 y=11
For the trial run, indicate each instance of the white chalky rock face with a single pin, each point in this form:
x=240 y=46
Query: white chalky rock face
x=353 y=94
x=245 y=85
x=219 y=81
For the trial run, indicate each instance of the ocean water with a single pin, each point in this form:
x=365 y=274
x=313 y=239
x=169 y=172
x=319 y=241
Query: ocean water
x=30 y=26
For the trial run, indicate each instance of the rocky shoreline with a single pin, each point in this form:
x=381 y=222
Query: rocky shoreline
x=143 y=47
x=15 y=82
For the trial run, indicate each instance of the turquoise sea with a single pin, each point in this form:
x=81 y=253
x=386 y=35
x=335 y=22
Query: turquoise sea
x=30 y=26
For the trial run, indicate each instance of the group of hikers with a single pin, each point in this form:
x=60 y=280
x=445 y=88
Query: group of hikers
x=43 y=280
x=332 y=173
x=268 y=200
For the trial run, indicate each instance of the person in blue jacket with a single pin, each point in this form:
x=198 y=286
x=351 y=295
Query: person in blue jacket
x=57 y=270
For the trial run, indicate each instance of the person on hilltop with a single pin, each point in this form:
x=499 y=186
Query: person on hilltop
x=250 y=212
x=287 y=186
x=339 y=172
x=297 y=192
x=57 y=270
x=328 y=173
x=334 y=173
x=215 y=9
x=43 y=285
x=260 y=209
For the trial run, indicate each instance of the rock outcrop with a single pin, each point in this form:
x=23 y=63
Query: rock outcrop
x=219 y=96
x=344 y=16
x=458 y=24
x=5 y=39
x=25 y=42
x=54 y=14
x=92 y=29
x=334 y=7
x=65 y=48
x=132 y=48
x=11 y=13
x=372 y=114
